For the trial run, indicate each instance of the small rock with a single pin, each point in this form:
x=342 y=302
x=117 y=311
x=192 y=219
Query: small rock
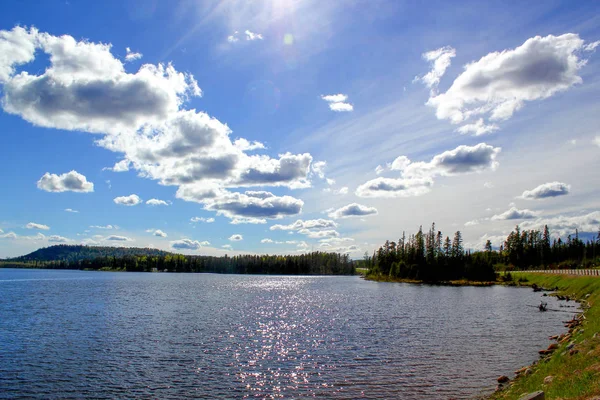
x=573 y=352
x=528 y=371
x=595 y=335
x=548 y=380
x=553 y=346
x=539 y=395
x=570 y=345
x=503 y=379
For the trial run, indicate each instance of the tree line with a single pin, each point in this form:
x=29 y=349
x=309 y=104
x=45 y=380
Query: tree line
x=315 y=263
x=429 y=256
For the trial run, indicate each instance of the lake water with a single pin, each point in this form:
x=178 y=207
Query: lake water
x=76 y=334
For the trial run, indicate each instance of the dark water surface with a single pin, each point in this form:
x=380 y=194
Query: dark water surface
x=75 y=334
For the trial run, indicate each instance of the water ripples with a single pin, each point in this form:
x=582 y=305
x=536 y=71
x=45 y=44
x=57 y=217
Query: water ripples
x=71 y=334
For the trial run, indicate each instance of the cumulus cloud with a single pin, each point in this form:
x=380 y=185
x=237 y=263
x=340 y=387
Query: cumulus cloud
x=352 y=210
x=563 y=225
x=236 y=238
x=9 y=235
x=478 y=128
x=227 y=247
x=253 y=36
x=515 y=213
x=157 y=202
x=500 y=83
x=71 y=210
x=132 y=55
x=71 y=181
x=186 y=244
x=245 y=145
x=550 y=189
x=58 y=239
x=121 y=166
x=597 y=141
x=337 y=102
x=306 y=224
x=131 y=200
x=141 y=116
x=33 y=225
x=440 y=60
x=418 y=177
x=202 y=219
x=488 y=185
x=390 y=187
x=157 y=232
x=117 y=238
x=319 y=234
x=237 y=205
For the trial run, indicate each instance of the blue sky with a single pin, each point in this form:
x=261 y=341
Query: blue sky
x=295 y=125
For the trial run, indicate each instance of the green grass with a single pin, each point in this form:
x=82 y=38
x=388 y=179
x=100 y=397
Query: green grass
x=575 y=376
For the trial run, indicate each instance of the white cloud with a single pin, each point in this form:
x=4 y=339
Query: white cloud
x=306 y=224
x=488 y=185
x=472 y=222
x=33 y=225
x=227 y=246
x=500 y=83
x=236 y=238
x=352 y=210
x=440 y=60
x=158 y=233
x=253 y=36
x=9 y=235
x=335 y=98
x=341 y=107
x=597 y=140
x=131 y=200
x=515 y=213
x=117 y=238
x=71 y=210
x=71 y=181
x=132 y=55
x=418 y=177
x=591 y=46
x=121 y=166
x=390 y=187
x=202 y=219
x=242 y=206
x=318 y=167
x=103 y=227
x=563 y=225
x=141 y=116
x=478 y=128
x=157 y=202
x=58 y=239
x=266 y=240
x=244 y=145
x=186 y=244
x=550 y=189
x=319 y=234
x=233 y=38
x=247 y=220
x=337 y=102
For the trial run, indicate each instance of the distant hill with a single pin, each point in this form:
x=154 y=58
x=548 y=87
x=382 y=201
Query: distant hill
x=63 y=252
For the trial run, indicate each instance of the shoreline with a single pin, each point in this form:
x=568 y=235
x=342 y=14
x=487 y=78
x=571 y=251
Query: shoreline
x=460 y=282
x=570 y=367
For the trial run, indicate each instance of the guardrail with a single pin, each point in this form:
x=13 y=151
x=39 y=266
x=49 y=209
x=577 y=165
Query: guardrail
x=584 y=272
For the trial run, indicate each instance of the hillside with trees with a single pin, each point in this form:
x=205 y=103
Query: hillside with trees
x=431 y=257
x=148 y=260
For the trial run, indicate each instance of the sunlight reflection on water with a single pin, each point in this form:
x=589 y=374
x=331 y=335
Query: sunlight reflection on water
x=215 y=336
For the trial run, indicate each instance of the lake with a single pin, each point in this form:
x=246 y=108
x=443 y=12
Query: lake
x=77 y=334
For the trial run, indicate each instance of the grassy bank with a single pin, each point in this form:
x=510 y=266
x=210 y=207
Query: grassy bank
x=461 y=282
x=575 y=372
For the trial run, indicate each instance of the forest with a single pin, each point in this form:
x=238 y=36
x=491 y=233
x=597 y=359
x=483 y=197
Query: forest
x=149 y=260
x=429 y=256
